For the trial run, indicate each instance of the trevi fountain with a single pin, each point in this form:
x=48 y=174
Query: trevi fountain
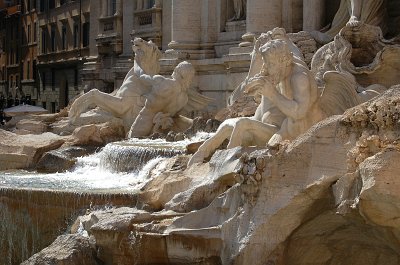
x=300 y=167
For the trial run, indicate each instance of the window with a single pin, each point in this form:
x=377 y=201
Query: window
x=44 y=105
x=34 y=4
x=113 y=7
x=64 y=37
x=52 y=4
x=85 y=30
x=53 y=107
x=29 y=34
x=28 y=5
x=44 y=41
x=76 y=79
x=53 y=79
x=150 y=3
x=34 y=32
x=53 y=39
x=34 y=70
x=42 y=5
x=44 y=81
x=63 y=2
x=76 y=32
x=11 y=57
x=28 y=70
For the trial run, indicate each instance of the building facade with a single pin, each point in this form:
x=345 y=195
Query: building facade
x=10 y=55
x=63 y=46
x=28 y=64
x=52 y=50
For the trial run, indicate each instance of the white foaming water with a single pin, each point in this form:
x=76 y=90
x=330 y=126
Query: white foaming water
x=89 y=176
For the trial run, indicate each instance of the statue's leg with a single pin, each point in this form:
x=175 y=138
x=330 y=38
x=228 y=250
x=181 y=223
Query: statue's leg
x=224 y=132
x=246 y=128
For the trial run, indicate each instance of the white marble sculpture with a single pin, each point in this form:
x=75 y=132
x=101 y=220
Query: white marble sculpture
x=146 y=100
x=291 y=100
x=166 y=98
x=352 y=13
x=127 y=101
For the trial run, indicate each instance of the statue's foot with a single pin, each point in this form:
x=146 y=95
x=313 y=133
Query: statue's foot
x=197 y=158
x=320 y=37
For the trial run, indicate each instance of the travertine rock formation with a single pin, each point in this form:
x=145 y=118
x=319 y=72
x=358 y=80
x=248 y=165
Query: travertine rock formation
x=329 y=197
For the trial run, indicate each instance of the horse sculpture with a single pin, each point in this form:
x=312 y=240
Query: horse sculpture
x=127 y=101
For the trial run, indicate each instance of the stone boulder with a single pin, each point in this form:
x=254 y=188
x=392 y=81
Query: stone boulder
x=24 y=151
x=61 y=159
x=65 y=250
x=32 y=126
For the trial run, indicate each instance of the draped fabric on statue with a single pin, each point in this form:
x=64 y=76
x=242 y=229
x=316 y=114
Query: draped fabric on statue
x=373 y=12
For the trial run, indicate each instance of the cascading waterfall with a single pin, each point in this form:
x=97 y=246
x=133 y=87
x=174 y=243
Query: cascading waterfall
x=133 y=154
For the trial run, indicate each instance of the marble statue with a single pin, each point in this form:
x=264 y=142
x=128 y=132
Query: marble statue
x=127 y=101
x=291 y=99
x=239 y=8
x=166 y=98
x=352 y=13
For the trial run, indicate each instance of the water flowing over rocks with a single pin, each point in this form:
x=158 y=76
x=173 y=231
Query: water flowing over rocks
x=126 y=156
x=329 y=197
x=62 y=159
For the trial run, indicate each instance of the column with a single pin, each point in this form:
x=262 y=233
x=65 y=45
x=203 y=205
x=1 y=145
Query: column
x=313 y=14
x=104 y=8
x=262 y=15
x=186 y=25
x=127 y=14
x=167 y=23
